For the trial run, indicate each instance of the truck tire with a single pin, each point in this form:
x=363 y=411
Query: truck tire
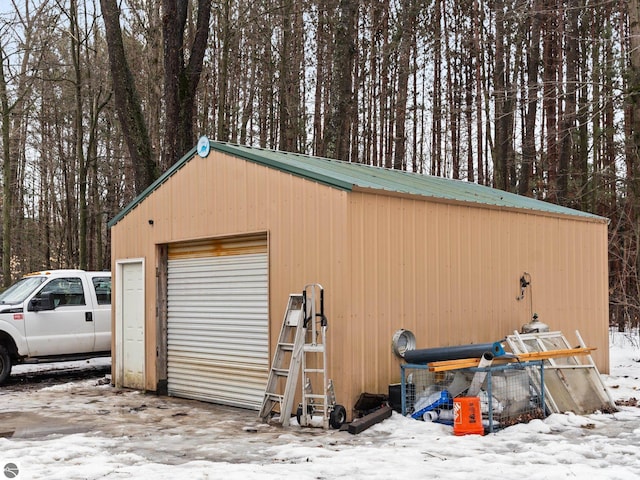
x=5 y=364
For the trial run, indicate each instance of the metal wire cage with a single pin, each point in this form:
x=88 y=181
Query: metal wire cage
x=509 y=394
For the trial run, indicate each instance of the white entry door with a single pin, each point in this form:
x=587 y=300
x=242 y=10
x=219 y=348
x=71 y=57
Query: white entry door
x=130 y=320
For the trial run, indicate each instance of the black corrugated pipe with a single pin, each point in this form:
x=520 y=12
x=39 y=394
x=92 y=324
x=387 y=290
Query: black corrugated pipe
x=476 y=350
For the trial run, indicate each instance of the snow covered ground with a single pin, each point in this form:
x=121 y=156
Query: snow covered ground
x=90 y=430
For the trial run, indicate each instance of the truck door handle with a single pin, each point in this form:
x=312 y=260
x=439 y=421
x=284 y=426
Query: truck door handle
x=88 y=317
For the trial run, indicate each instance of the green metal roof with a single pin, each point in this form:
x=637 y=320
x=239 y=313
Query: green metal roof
x=347 y=176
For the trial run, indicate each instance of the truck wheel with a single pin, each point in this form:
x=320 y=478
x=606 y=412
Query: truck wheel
x=5 y=364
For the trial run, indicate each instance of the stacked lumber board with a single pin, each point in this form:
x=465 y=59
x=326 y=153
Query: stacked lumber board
x=509 y=357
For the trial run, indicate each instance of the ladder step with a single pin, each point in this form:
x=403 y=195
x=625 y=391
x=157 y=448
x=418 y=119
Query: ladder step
x=314 y=370
x=287 y=347
x=283 y=372
x=315 y=396
x=313 y=348
x=273 y=396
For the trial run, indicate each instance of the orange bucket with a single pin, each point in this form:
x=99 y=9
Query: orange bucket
x=467 y=416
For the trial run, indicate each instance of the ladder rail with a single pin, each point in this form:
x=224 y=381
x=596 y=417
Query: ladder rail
x=286 y=347
x=292 y=379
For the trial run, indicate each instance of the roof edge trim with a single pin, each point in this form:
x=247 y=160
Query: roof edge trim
x=299 y=172
x=591 y=218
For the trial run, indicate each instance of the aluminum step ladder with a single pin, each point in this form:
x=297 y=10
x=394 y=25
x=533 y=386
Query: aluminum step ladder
x=302 y=346
x=285 y=367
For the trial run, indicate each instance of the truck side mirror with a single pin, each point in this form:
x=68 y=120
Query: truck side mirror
x=40 y=303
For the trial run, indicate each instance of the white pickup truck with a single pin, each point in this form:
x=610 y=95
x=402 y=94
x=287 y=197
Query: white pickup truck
x=55 y=315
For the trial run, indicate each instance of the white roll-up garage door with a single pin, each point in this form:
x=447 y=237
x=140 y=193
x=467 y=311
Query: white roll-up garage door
x=218 y=324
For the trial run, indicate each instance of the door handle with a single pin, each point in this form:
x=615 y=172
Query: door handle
x=88 y=316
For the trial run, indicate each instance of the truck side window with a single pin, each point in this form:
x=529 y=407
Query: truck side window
x=65 y=291
x=103 y=289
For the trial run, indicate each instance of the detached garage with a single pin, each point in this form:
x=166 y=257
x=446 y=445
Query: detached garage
x=205 y=259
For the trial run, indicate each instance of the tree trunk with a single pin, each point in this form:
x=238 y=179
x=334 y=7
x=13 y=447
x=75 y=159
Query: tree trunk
x=291 y=66
x=404 y=56
x=127 y=102
x=180 y=80
x=582 y=155
x=321 y=77
x=436 y=128
x=452 y=94
x=223 y=79
x=633 y=149
x=550 y=98
x=501 y=110
x=633 y=153
x=338 y=127
x=479 y=91
x=568 y=122
x=529 y=140
x=7 y=194
x=79 y=134
x=468 y=104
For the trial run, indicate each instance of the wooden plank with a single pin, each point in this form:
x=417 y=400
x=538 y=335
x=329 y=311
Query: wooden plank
x=362 y=423
x=453 y=363
x=469 y=363
x=521 y=357
x=570 y=352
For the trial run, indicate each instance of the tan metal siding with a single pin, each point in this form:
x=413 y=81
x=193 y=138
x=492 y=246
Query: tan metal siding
x=450 y=274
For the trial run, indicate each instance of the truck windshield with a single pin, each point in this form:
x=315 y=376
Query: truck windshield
x=20 y=290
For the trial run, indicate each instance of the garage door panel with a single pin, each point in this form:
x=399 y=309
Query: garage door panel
x=220 y=305
x=233 y=375
x=207 y=341
x=233 y=266
x=227 y=392
x=218 y=329
x=187 y=358
x=220 y=349
x=224 y=356
x=192 y=286
x=239 y=384
x=201 y=324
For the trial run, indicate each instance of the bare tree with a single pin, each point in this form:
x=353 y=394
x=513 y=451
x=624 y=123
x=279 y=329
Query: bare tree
x=406 y=29
x=531 y=114
x=127 y=101
x=182 y=75
x=14 y=123
x=291 y=67
x=6 y=174
x=337 y=132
